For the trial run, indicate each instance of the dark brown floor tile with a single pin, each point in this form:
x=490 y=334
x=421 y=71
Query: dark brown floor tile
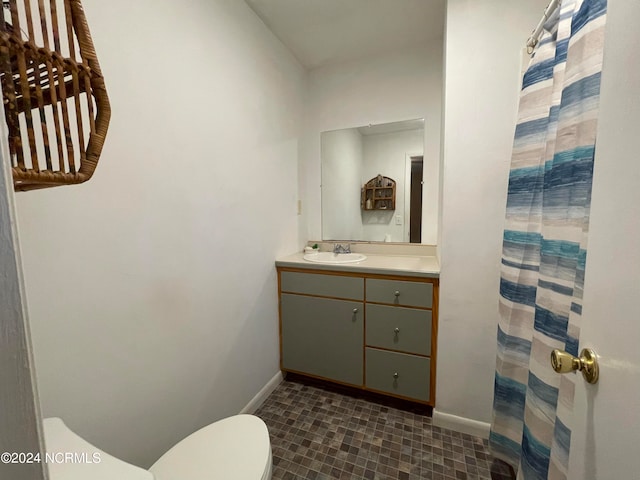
x=319 y=433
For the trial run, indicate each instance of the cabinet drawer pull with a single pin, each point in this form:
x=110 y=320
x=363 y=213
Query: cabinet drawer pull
x=355 y=310
x=395 y=375
x=397 y=294
x=396 y=331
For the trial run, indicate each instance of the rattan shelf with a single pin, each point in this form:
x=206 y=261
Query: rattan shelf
x=379 y=193
x=55 y=101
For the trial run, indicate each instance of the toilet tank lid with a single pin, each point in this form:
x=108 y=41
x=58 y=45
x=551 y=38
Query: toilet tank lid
x=70 y=457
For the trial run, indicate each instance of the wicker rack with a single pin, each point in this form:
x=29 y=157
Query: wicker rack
x=55 y=101
x=379 y=193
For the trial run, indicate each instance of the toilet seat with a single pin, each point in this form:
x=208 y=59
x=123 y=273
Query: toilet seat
x=235 y=448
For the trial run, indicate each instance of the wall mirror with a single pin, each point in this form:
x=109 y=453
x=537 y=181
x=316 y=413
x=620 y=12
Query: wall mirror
x=372 y=178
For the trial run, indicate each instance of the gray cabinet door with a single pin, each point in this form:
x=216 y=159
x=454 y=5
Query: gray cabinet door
x=400 y=292
x=398 y=373
x=399 y=328
x=323 y=337
x=322 y=285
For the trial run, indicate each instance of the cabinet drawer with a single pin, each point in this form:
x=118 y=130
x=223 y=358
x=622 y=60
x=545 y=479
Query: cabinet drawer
x=399 y=292
x=323 y=337
x=322 y=285
x=398 y=373
x=399 y=328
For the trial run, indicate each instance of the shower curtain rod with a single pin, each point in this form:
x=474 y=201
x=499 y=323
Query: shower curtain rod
x=535 y=35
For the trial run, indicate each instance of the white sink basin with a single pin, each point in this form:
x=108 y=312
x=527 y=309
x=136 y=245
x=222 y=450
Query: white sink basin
x=334 y=258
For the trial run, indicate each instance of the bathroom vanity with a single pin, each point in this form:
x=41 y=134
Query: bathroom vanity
x=371 y=325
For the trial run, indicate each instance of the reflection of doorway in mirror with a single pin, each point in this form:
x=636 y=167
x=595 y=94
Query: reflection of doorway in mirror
x=413 y=198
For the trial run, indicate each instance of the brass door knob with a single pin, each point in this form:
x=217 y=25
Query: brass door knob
x=587 y=363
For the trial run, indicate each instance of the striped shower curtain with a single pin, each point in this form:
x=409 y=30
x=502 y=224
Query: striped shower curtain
x=545 y=240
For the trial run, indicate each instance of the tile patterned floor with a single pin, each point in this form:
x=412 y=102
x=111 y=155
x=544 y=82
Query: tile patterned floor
x=318 y=432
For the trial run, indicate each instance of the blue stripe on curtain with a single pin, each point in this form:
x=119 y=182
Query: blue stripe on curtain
x=544 y=243
x=507 y=447
x=560 y=249
x=533 y=268
x=509 y=396
x=515 y=292
x=534 y=127
x=589 y=12
x=535 y=457
x=531 y=238
x=584 y=152
x=562 y=47
x=517 y=346
x=551 y=324
x=581 y=90
x=545 y=396
x=562 y=437
x=555 y=287
x=538 y=73
x=571 y=345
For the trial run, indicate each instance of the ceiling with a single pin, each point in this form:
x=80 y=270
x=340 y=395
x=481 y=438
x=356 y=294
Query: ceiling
x=322 y=32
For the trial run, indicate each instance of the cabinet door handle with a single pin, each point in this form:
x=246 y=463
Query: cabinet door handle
x=395 y=375
x=355 y=310
x=396 y=331
x=397 y=293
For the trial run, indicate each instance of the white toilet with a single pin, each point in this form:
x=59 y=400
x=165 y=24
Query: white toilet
x=236 y=448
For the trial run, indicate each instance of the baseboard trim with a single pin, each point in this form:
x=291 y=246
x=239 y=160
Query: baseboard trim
x=461 y=424
x=262 y=395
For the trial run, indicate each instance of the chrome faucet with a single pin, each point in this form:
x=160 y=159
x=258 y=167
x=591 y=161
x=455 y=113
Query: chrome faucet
x=341 y=248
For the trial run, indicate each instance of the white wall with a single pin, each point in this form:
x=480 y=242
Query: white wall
x=400 y=86
x=342 y=152
x=385 y=154
x=482 y=65
x=152 y=288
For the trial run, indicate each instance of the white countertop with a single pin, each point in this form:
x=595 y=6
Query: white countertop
x=409 y=265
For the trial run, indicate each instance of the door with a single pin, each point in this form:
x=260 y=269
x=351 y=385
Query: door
x=415 y=220
x=606 y=436
x=323 y=337
x=20 y=427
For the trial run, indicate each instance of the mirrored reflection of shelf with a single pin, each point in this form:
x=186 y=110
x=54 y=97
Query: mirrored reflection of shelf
x=379 y=193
